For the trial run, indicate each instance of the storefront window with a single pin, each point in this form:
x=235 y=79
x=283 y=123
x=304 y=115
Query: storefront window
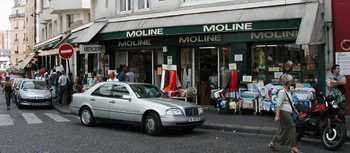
x=210 y=72
x=272 y=60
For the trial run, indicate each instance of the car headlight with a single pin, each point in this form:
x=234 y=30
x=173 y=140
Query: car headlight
x=200 y=110
x=173 y=112
x=24 y=96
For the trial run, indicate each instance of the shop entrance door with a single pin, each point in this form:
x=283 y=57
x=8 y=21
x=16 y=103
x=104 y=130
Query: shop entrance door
x=140 y=62
x=207 y=73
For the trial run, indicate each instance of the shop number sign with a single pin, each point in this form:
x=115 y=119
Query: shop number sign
x=66 y=51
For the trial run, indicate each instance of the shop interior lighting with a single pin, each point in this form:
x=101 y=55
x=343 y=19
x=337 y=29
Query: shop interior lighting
x=258 y=46
x=207 y=47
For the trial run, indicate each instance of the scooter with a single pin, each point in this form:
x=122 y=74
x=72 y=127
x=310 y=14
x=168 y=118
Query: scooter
x=325 y=120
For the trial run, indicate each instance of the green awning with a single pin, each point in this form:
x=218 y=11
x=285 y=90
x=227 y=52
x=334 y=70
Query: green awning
x=48 y=44
x=242 y=20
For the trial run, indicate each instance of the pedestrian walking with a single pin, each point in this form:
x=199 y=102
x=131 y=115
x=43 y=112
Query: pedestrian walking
x=286 y=134
x=62 y=82
x=8 y=92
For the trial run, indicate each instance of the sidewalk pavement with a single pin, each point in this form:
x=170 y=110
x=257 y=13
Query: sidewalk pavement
x=247 y=123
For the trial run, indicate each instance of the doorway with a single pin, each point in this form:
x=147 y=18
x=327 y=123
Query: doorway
x=207 y=73
x=139 y=63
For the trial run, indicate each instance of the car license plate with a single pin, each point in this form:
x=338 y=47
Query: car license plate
x=194 y=119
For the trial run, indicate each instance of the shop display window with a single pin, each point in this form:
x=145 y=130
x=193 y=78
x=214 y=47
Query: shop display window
x=269 y=61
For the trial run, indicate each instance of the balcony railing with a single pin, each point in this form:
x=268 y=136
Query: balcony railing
x=17 y=15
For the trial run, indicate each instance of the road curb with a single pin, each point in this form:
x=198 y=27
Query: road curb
x=57 y=108
x=246 y=129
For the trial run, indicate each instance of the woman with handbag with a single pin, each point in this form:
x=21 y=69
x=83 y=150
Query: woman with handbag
x=286 y=134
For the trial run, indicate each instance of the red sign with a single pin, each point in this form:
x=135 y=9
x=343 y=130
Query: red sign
x=66 y=50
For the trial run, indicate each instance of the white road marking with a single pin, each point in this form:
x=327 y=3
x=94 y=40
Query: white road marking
x=31 y=118
x=56 y=117
x=6 y=120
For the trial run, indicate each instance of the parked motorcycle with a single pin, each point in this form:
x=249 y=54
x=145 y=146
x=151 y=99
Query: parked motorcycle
x=325 y=120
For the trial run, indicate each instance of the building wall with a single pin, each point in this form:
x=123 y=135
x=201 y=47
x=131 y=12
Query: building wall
x=18 y=45
x=112 y=8
x=30 y=26
x=4 y=50
x=55 y=17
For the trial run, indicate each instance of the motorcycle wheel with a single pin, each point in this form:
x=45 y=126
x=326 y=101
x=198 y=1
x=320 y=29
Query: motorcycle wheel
x=333 y=137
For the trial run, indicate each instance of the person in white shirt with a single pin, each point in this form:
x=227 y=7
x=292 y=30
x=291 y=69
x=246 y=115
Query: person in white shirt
x=62 y=83
x=112 y=77
x=286 y=134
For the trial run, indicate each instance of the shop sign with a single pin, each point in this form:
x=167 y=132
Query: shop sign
x=135 y=43
x=200 y=39
x=144 y=32
x=228 y=27
x=274 y=35
x=89 y=49
x=289 y=24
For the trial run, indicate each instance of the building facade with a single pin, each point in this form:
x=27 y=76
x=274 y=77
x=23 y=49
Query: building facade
x=4 y=50
x=204 y=37
x=18 y=45
x=30 y=25
x=56 y=22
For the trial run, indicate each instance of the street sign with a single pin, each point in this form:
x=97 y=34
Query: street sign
x=66 y=50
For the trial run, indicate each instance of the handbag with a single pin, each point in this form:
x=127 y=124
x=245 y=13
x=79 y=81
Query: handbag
x=295 y=113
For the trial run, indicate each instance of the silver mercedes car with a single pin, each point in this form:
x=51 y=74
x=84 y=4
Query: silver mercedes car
x=138 y=103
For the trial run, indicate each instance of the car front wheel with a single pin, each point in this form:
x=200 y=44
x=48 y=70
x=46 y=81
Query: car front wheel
x=86 y=117
x=152 y=124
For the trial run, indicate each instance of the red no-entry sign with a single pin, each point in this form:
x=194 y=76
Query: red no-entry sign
x=66 y=50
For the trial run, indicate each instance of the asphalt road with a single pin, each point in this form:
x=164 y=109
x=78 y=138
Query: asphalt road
x=46 y=131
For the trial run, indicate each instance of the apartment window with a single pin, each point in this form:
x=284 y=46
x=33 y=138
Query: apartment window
x=106 y=3
x=70 y=20
x=41 y=4
x=16 y=38
x=143 y=4
x=125 y=5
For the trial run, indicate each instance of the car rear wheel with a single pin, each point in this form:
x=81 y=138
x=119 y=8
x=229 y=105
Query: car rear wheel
x=152 y=124
x=86 y=117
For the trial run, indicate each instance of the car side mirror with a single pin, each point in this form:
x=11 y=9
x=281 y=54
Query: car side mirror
x=126 y=97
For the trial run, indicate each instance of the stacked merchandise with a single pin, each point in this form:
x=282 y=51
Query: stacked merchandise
x=303 y=98
x=250 y=97
x=269 y=103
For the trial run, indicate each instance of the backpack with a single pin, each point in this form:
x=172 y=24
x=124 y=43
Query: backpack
x=8 y=87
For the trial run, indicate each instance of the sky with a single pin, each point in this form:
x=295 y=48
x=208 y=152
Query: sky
x=5 y=11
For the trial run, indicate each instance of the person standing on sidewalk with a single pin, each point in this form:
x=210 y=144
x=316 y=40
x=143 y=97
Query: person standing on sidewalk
x=336 y=84
x=62 y=82
x=286 y=134
x=8 y=92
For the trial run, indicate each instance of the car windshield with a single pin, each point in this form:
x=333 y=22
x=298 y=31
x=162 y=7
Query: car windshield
x=40 y=85
x=147 y=91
